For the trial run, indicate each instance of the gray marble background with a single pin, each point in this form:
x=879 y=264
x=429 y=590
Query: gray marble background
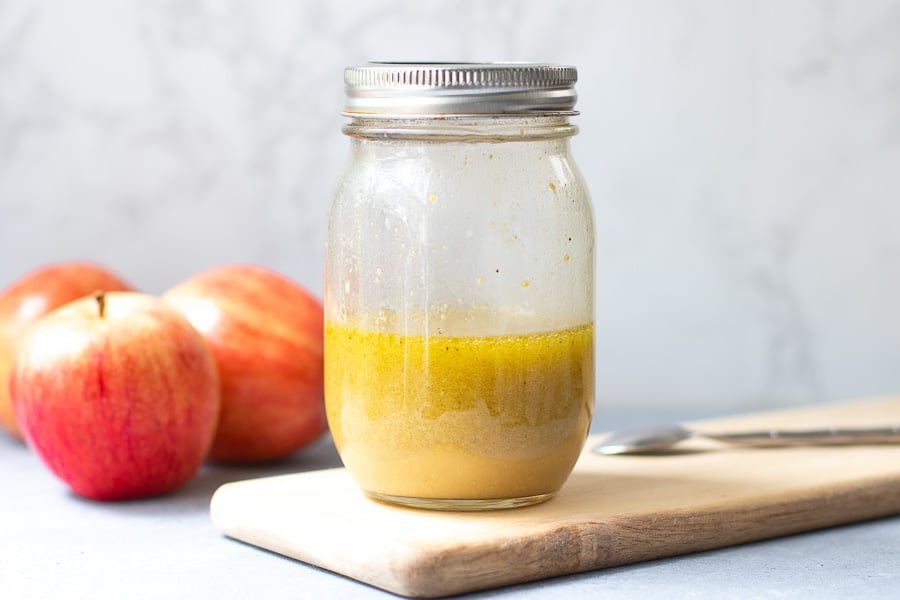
x=744 y=159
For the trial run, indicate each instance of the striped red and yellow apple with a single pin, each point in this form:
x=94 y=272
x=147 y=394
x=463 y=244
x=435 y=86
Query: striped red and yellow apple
x=31 y=297
x=266 y=334
x=118 y=394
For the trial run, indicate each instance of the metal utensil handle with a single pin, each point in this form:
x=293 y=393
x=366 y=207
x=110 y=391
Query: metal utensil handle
x=809 y=437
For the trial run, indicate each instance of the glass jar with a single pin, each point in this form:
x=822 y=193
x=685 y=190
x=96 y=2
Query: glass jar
x=459 y=286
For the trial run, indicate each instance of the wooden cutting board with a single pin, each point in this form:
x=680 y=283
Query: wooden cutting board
x=613 y=510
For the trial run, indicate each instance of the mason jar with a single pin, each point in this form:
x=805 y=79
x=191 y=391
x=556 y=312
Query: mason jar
x=459 y=285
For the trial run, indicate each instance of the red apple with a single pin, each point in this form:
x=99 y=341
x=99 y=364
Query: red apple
x=265 y=332
x=118 y=394
x=33 y=296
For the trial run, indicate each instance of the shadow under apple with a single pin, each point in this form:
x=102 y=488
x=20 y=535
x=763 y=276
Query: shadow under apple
x=196 y=493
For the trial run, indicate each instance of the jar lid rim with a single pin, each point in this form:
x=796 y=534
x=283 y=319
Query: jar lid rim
x=432 y=88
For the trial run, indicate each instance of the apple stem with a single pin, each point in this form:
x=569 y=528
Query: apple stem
x=100 y=297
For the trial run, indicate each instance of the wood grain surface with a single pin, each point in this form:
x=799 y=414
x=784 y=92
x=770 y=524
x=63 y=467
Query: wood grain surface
x=613 y=510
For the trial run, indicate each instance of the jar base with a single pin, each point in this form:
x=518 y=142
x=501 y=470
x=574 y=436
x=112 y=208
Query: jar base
x=467 y=505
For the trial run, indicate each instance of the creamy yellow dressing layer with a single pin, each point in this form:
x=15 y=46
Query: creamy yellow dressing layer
x=460 y=416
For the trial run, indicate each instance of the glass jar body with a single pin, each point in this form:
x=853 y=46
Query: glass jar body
x=459 y=310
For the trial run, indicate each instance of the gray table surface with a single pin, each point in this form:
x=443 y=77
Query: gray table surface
x=56 y=545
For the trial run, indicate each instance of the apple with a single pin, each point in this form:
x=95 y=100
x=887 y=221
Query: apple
x=118 y=394
x=33 y=296
x=265 y=332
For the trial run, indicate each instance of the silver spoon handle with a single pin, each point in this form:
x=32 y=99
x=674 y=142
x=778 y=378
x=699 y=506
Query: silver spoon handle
x=833 y=436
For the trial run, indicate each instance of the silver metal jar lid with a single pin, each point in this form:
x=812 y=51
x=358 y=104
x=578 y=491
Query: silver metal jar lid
x=382 y=89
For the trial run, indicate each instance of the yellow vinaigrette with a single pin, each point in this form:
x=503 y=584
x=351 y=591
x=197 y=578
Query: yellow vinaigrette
x=459 y=416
